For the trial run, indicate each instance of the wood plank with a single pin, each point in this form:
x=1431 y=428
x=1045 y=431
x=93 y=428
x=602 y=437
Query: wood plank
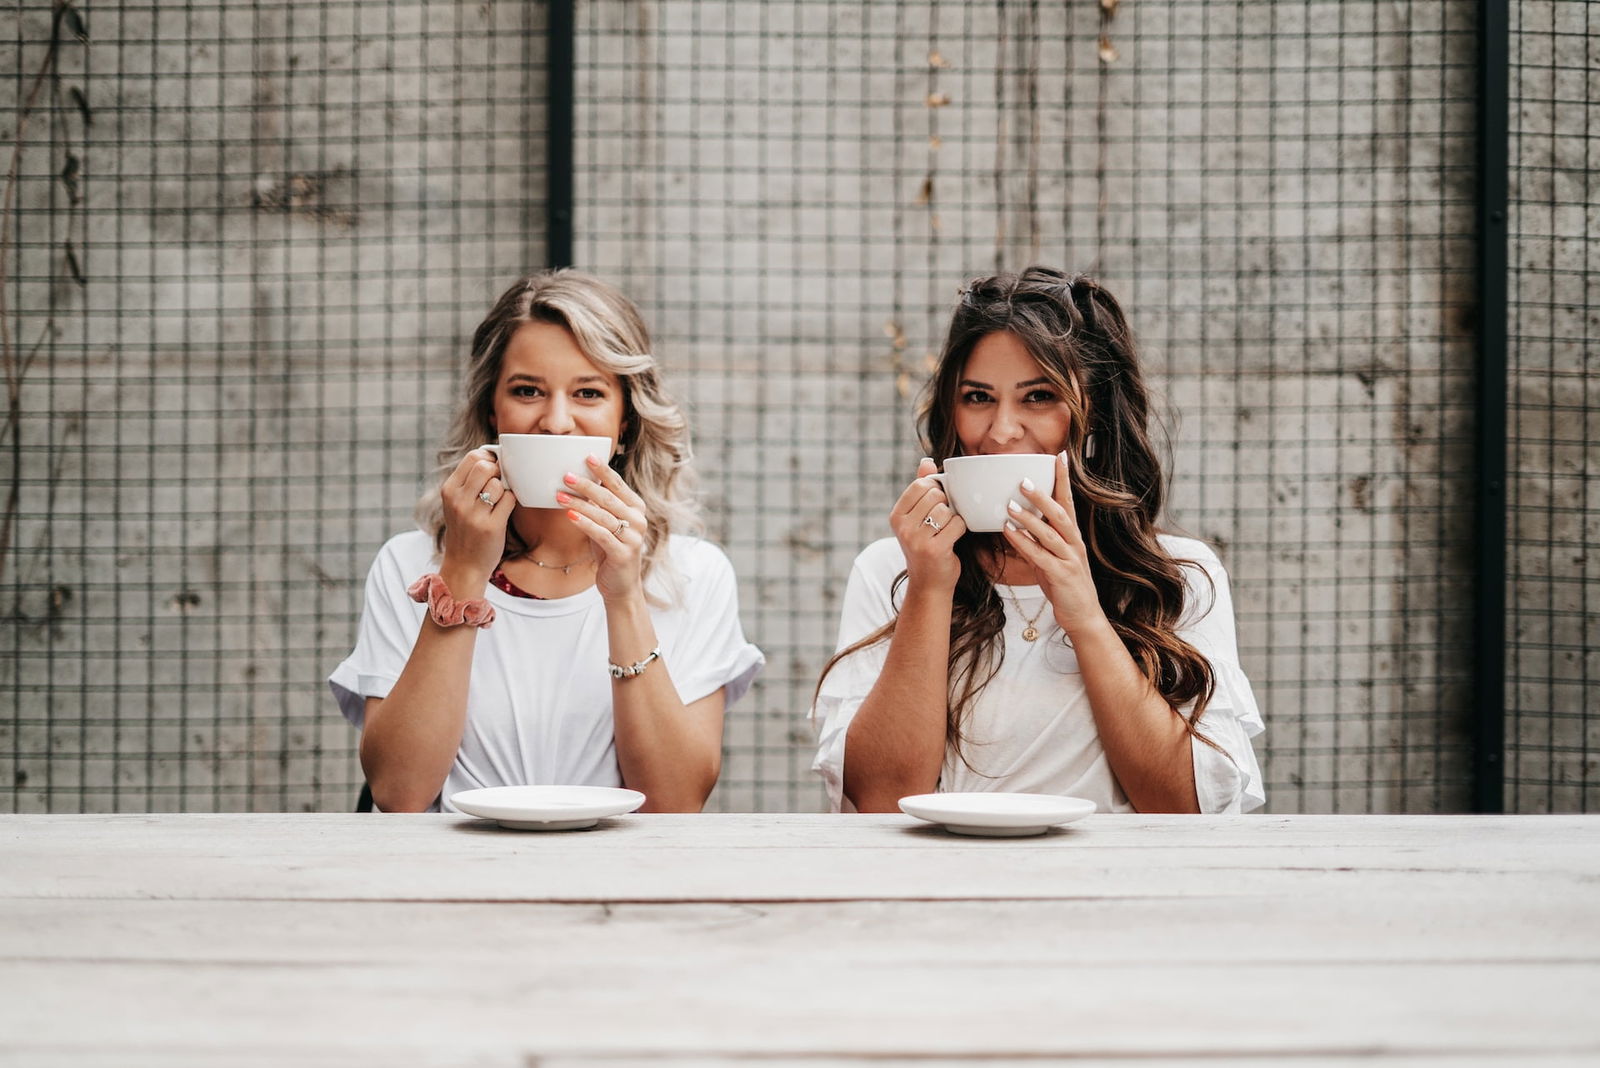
x=387 y=1057
x=353 y=939
x=1093 y=932
x=778 y=858
x=1142 y=978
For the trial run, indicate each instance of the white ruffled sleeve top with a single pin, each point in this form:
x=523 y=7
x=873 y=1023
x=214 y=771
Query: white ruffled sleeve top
x=1031 y=729
x=539 y=697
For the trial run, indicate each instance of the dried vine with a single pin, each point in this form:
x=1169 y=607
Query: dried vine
x=66 y=26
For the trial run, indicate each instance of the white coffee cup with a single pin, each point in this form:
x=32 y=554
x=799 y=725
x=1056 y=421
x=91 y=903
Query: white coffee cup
x=533 y=464
x=980 y=487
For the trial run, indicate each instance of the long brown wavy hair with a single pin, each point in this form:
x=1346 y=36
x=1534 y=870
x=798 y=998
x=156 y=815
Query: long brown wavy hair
x=1080 y=337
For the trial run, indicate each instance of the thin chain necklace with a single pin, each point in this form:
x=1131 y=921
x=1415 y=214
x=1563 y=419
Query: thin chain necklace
x=565 y=569
x=1030 y=632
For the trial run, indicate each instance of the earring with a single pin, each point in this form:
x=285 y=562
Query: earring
x=1088 y=447
x=621 y=448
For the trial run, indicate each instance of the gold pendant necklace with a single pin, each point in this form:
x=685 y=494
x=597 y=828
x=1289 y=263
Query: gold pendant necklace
x=1030 y=633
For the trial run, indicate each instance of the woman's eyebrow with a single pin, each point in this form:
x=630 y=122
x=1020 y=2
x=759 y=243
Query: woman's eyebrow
x=538 y=380
x=1020 y=385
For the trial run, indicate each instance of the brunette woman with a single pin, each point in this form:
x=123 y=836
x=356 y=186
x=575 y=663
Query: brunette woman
x=1081 y=651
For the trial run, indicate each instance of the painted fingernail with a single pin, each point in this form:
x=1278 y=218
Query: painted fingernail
x=1011 y=526
x=572 y=515
x=594 y=461
x=562 y=498
x=1027 y=485
x=570 y=479
x=1013 y=507
x=1062 y=456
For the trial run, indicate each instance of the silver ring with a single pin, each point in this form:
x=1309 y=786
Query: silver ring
x=622 y=524
x=486 y=499
x=927 y=521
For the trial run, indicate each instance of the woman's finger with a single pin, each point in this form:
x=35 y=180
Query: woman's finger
x=590 y=490
x=608 y=538
x=950 y=530
x=932 y=498
x=611 y=479
x=913 y=494
x=491 y=492
x=601 y=517
x=1056 y=515
x=1062 y=497
x=1040 y=528
x=1025 y=545
x=931 y=521
x=504 y=504
x=472 y=464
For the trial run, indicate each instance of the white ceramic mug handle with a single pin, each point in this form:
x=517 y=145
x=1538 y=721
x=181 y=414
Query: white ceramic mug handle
x=492 y=450
x=937 y=476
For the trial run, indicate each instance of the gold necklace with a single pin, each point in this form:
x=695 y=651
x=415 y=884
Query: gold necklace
x=1029 y=631
x=565 y=569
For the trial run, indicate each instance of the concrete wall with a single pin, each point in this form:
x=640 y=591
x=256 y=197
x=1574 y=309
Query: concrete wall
x=236 y=296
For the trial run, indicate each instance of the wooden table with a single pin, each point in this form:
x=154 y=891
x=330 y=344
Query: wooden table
x=390 y=940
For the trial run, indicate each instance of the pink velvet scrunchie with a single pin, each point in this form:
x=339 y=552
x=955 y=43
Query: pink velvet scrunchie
x=445 y=609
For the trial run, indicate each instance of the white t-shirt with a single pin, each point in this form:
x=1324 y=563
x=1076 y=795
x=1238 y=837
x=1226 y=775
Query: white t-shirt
x=539 y=697
x=1031 y=729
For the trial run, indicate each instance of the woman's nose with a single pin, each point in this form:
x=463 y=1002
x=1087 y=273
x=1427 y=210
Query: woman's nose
x=1006 y=427
x=556 y=417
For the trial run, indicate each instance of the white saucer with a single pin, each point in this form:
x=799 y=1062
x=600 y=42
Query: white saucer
x=996 y=815
x=547 y=808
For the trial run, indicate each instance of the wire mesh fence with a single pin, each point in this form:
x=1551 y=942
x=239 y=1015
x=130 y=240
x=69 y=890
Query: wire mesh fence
x=1553 y=662
x=244 y=246
x=246 y=243
x=1281 y=193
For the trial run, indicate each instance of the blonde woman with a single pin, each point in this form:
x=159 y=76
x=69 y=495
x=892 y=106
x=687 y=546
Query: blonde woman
x=489 y=644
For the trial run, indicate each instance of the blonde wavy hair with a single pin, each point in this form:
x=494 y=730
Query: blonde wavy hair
x=653 y=454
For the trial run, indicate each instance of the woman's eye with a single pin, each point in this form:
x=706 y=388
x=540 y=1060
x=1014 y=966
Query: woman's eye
x=591 y=394
x=525 y=391
x=975 y=396
x=1040 y=396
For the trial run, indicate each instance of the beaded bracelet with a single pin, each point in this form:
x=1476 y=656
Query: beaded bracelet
x=620 y=672
x=445 y=609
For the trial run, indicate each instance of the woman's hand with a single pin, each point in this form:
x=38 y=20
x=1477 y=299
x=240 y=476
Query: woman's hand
x=474 y=529
x=927 y=528
x=612 y=515
x=1053 y=545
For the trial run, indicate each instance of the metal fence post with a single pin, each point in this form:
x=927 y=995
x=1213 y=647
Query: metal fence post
x=1489 y=631
x=560 y=130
